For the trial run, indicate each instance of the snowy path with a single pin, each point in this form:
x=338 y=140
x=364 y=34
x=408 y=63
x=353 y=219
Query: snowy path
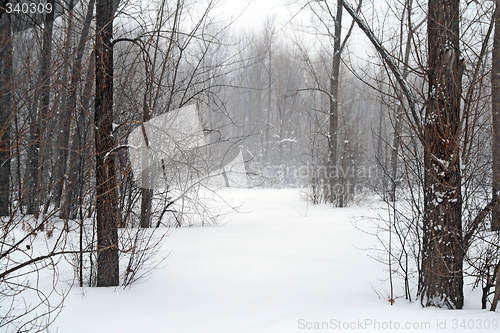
x=281 y=266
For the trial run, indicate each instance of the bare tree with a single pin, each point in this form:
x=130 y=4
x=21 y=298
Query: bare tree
x=5 y=108
x=106 y=188
x=495 y=109
x=495 y=104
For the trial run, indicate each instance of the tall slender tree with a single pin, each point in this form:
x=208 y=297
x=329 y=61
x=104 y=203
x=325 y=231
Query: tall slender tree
x=495 y=109
x=5 y=109
x=41 y=136
x=106 y=189
x=334 y=106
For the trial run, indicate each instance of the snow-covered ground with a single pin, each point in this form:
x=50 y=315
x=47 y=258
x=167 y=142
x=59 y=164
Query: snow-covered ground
x=279 y=265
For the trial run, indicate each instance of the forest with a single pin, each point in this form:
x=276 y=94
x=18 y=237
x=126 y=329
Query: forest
x=122 y=121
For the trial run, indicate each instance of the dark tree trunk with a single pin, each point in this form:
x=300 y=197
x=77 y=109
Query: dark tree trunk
x=395 y=151
x=44 y=113
x=380 y=151
x=333 y=112
x=107 y=197
x=146 y=205
x=495 y=109
x=5 y=111
x=441 y=280
x=269 y=106
x=29 y=191
x=146 y=190
x=496 y=296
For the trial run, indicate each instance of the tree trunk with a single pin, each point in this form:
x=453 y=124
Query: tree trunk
x=495 y=109
x=44 y=113
x=380 y=152
x=146 y=190
x=146 y=206
x=496 y=296
x=64 y=119
x=29 y=190
x=5 y=111
x=269 y=107
x=441 y=280
x=333 y=112
x=106 y=190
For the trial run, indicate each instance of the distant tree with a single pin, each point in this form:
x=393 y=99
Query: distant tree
x=334 y=159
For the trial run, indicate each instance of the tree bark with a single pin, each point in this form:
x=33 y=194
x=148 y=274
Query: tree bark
x=495 y=109
x=496 y=296
x=269 y=95
x=333 y=112
x=441 y=280
x=146 y=190
x=5 y=111
x=64 y=121
x=106 y=189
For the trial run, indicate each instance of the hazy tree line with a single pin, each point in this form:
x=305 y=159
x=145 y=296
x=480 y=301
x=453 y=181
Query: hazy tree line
x=412 y=119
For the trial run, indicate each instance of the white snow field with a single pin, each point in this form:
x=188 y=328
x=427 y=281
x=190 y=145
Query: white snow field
x=279 y=265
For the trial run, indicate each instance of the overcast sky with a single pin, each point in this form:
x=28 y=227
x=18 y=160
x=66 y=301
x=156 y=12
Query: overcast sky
x=250 y=14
